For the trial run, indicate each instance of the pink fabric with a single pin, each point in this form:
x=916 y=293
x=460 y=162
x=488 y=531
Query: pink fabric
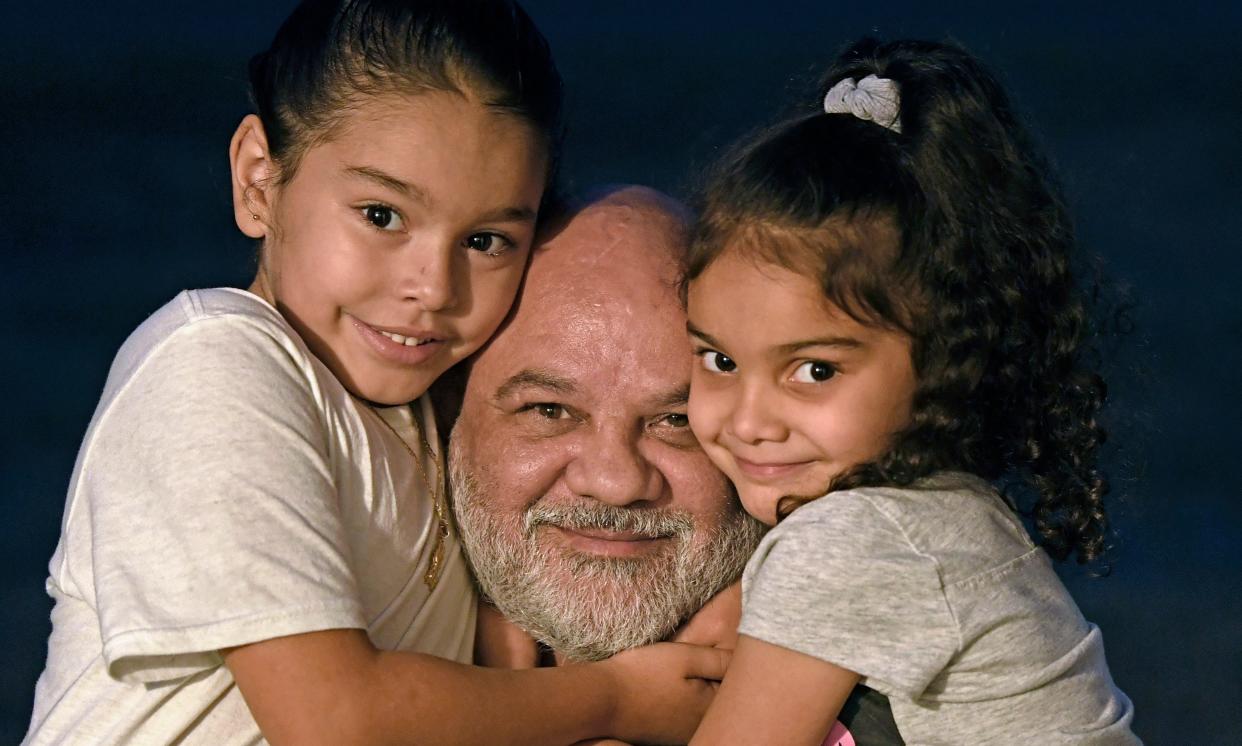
x=839 y=736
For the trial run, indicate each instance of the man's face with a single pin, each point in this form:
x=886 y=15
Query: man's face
x=591 y=516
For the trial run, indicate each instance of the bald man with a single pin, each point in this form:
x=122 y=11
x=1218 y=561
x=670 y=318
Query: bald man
x=592 y=518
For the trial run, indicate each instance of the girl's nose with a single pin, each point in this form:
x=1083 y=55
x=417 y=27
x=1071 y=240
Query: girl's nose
x=756 y=418
x=429 y=276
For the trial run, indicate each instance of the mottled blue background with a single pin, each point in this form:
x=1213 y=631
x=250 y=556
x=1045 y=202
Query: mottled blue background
x=116 y=116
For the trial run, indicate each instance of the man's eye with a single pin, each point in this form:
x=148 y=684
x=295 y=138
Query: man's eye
x=717 y=362
x=547 y=411
x=383 y=217
x=814 y=371
x=674 y=429
x=677 y=419
x=672 y=421
x=492 y=244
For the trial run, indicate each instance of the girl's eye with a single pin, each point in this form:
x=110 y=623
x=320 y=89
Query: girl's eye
x=492 y=244
x=814 y=371
x=383 y=217
x=718 y=362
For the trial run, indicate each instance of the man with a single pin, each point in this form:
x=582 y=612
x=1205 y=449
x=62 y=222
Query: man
x=591 y=517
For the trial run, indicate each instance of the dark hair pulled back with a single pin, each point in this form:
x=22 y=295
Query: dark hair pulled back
x=952 y=232
x=331 y=54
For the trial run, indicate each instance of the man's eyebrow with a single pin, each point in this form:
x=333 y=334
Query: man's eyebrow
x=539 y=379
x=789 y=347
x=675 y=398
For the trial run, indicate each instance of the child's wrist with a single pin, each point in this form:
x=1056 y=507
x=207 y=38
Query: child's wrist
x=608 y=680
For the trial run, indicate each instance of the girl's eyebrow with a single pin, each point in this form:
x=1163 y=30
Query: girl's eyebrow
x=388 y=180
x=788 y=347
x=692 y=329
x=416 y=193
x=846 y=342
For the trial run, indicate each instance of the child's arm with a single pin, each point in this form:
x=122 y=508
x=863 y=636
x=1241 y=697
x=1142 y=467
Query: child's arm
x=334 y=687
x=499 y=643
x=775 y=695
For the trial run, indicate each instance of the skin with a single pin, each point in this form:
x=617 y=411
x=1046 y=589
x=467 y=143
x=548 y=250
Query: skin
x=396 y=223
x=581 y=398
x=416 y=219
x=789 y=393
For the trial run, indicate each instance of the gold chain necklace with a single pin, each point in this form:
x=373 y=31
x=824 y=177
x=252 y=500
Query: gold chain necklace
x=432 y=576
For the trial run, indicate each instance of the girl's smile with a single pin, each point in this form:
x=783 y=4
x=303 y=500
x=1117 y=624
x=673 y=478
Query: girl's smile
x=769 y=471
x=405 y=347
x=789 y=392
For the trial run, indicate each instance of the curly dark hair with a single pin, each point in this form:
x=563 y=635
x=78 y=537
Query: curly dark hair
x=953 y=232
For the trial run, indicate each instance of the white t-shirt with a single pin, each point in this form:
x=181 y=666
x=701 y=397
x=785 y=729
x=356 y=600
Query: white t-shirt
x=937 y=597
x=230 y=490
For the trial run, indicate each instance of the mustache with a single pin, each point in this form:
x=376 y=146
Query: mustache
x=646 y=522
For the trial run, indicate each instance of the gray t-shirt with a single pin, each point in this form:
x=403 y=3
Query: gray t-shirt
x=937 y=597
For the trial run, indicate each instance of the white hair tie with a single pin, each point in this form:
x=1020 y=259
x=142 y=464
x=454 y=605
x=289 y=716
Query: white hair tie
x=872 y=99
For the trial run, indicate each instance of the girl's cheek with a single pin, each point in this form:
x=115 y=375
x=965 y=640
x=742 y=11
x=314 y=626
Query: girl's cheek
x=494 y=294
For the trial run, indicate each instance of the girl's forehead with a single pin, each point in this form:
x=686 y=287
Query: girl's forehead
x=734 y=276
x=396 y=110
x=427 y=136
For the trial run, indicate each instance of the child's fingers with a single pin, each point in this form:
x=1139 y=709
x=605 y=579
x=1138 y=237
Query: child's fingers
x=716 y=623
x=706 y=663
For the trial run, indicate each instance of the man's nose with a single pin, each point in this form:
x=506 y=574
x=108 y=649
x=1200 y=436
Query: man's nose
x=609 y=467
x=756 y=416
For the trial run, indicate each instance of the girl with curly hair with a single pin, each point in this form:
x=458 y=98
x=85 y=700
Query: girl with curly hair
x=891 y=347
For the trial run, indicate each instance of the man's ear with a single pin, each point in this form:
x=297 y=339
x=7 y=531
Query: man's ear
x=253 y=177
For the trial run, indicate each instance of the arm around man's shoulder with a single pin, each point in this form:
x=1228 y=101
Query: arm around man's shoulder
x=839 y=580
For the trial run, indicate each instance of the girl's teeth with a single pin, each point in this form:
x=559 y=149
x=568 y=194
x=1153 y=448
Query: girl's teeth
x=407 y=341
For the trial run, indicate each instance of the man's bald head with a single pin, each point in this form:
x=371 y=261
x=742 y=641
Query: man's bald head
x=622 y=245
x=590 y=514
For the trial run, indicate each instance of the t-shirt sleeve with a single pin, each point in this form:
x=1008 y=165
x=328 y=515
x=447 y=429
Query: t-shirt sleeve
x=838 y=580
x=213 y=512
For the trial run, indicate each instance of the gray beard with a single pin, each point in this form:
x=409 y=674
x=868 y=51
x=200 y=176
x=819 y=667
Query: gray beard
x=588 y=607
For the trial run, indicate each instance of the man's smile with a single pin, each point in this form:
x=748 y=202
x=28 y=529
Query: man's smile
x=608 y=543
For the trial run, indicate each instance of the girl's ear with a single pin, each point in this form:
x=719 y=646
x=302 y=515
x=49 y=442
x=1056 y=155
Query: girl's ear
x=253 y=177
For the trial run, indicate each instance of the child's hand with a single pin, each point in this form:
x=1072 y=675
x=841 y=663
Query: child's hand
x=715 y=625
x=499 y=643
x=663 y=690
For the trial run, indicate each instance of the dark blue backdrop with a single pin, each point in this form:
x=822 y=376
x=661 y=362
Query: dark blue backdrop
x=116 y=118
